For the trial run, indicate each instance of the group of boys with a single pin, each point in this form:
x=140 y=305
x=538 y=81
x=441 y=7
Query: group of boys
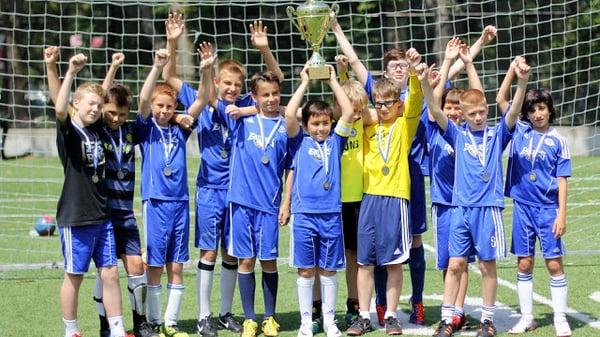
x=366 y=173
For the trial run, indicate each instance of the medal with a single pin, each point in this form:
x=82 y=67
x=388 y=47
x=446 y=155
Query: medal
x=323 y=157
x=120 y=174
x=167 y=171
x=88 y=145
x=385 y=170
x=265 y=159
x=224 y=154
x=167 y=148
x=485 y=176
x=532 y=176
x=95 y=178
x=326 y=185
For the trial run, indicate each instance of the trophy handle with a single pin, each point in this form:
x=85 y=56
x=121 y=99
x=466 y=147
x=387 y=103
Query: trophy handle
x=291 y=12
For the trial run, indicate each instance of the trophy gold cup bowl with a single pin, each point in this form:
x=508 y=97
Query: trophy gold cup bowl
x=313 y=19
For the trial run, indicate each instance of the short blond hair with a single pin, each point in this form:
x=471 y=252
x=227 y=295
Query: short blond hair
x=233 y=66
x=386 y=87
x=88 y=88
x=356 y=93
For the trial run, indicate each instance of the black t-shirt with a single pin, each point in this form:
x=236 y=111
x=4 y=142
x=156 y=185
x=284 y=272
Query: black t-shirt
x=82 y=201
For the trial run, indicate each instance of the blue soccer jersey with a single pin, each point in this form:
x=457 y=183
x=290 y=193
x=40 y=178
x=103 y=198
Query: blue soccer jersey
x=478 y=170
x=164 y=168
x=535 y=161
x=259 y=151
x=214 y=140
x=119 y=150
x=317 y=173
x=441 y=162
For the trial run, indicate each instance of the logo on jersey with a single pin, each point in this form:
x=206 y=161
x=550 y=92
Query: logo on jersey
x=315 y=153
x=473 y=150
x=255 y=138
x=549 y=141
x=449 y=150
x=527 y=154
x=353 y=133
x=88 y=151
x=282 y=129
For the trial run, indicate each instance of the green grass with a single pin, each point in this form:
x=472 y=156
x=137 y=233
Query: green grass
x=30 y=187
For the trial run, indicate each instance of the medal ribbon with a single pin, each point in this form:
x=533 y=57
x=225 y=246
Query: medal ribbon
x=537 y=148
x=88 y=144
x=385 y=154
x=166 y=147
x=265 y=142
x=324 y=156
x=117 y=150
x=480 y=155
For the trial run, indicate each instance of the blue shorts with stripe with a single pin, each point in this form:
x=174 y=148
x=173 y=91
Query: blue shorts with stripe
x=317 y=241
x=384 y=235
x=82 y=244
x=479 y=230
x=418 y=208
x=127 y=235
x=253 y=233
x=531 y=222
x=212 y=220
x=167 y=228
x=441 y=216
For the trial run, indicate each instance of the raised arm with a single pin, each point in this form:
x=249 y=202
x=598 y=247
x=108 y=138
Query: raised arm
x=116 y=61
x=360 y=70
x=465 y=56
x=434 y=108
x=50 y=59
x=174 y=28
x=522 y=71
x=341 y=62
x=207 y=61
x=341 y=98
x=260 y=40
x=503 y=96
x=291 y=121
x=76 y=63
x=160 y=60
x=487 y=35
x=450 y=55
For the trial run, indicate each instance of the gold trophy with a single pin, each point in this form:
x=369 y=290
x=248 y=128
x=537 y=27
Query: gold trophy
x=313 y=19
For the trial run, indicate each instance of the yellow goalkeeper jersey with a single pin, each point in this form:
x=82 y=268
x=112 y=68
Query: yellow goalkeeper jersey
x=352 y=164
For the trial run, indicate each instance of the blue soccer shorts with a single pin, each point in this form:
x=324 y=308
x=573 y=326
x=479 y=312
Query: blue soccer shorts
x=441 y=216
x=253 y=233
x=317 y=241
x=531 y=222
x=418 y=208
x=167 y=229
x=479 y=230
x=81 y=244
x=384 y=235
x=212 y=221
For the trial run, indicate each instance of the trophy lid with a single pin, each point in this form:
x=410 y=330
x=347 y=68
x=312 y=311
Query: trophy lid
x=313 y=8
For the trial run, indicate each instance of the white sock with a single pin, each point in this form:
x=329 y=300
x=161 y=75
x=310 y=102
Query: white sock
x=525 y=290
x=305 y=296
x=328 y=297
x=365 y=314
x=487 y=313
x=447 y=311
x=389 y=314
x=116 y=326
x=154 y=304
x=174 y=298
x=228 y=280
x=204 y=280
x=558 y=291
x=136 y=285
x=71 y=327
x=98 y=296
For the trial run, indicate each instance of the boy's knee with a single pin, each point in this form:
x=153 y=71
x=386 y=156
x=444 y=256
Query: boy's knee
x=555 y=267
x=269 y=266
x=306 y=273
x=456 y=266
x=526 y=264
x=109 y=275
x=488 y=268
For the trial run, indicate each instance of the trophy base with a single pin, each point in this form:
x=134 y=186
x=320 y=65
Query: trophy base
x=318 y=73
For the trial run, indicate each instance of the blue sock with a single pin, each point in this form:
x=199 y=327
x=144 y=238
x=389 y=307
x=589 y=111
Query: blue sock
x=247 y=285
x=417 y=273
x=380 y=274
x=270 y=282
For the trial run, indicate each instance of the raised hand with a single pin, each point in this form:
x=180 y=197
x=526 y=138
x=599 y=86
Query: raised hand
x=522 y=70
x=434 y=77
x=117 y=59
x=207 y=55
x=413 y=57
x=488 y=34
x=304 y=74
x=258 y=35
x=161 y=58
x=51 y=55
x=422 y=71
x=332 y=74
x=174 y=26
x=342 y=63
x=185 y=121
x=465 y=54
x=453 y=48
x=76 y=63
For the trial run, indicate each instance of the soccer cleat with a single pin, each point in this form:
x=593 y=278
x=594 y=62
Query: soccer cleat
x=444 y=330
x=157 y=329
x=317 y=325
x=228 y=322
x=359 y=327
x=173 y=331
x=562 y=327
x=270 y=327
x=305 y=331
x=459 y=322
x=350 y=317
x=417 y=316
x=525 y=323
x=206 y=327
x=77 y=334
x=392 y=326
x=144 y=330
x=249 y=328
x=104 y=332
x=333 y=330
x=486 y=329
x=129 y=334
x=380 y=309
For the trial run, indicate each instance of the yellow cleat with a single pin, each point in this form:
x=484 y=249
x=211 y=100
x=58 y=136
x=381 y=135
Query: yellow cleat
x=250 y=328
x=173 y=331
x=270 y=327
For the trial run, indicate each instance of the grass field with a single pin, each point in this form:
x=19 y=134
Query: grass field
x=31 y=267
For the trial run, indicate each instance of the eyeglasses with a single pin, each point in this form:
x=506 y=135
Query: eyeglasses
x=397 y=66
x=388 y=104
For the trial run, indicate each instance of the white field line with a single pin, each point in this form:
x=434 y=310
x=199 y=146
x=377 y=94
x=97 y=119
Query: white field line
x=593 y=322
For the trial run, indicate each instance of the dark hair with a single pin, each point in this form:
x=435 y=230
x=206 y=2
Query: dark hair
x=533 y=97
x=393 y=54
x=119 y=94
x=263 y=76
x=315 y=108
x=451 y=96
